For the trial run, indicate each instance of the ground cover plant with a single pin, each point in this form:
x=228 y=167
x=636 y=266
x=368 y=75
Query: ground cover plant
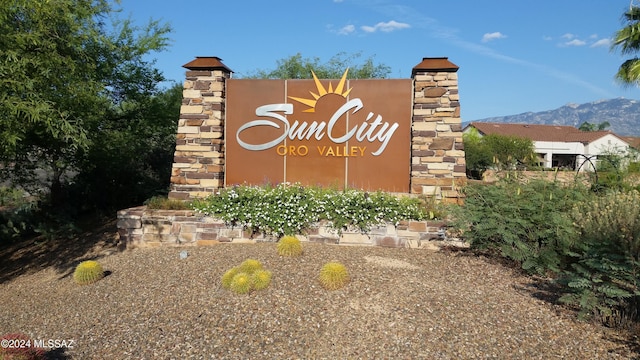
x=583 y=241
x=288 y=209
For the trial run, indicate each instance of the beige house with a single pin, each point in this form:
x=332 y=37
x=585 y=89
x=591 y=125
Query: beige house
x=560 y=146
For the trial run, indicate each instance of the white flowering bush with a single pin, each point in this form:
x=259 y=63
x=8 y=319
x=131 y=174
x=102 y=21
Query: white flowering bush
x=288 y=209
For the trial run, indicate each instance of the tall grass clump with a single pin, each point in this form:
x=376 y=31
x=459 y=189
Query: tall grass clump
x=164 y=203
x=526 y=222
x=605 y=278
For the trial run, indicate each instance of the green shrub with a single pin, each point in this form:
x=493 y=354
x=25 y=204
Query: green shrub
x=19 y=214
x=12 y=197
x=605 y=281
x=291 y=209
x=88 y=272
x=289 y=246
x=525 y=222
x=333 y=276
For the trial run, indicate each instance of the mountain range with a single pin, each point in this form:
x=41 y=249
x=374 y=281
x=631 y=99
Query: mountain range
x=622 y=114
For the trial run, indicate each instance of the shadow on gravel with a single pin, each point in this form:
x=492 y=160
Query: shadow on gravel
x=542 y=289
x=628 y=338
x=63 y=254
x=627 y=342
x=57 y=354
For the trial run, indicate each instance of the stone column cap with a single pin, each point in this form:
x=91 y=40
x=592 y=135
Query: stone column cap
x=435 y=64
x=206 y=63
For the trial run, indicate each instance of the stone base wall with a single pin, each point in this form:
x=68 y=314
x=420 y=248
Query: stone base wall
x=140 y=227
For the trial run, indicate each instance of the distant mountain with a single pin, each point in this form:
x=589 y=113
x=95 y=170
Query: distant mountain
x=623 y=115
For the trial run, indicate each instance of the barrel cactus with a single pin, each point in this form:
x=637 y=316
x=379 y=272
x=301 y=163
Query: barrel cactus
x=241 y=283
x=228 y=277
x=261 y=279
x=333 y=276
x=289 y=246
x=246 y=277
x=250 y=266
x=88 y=272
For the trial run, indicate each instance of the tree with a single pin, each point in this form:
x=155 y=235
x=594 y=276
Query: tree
x=478 y=156
x=627 y=40
x=131 y=153
x=496 y=151
x=297 y=67
x=510 y=151
x=587 y=126
x=65 y=77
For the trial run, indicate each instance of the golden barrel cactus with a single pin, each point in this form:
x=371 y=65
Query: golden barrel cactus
x=88 y=272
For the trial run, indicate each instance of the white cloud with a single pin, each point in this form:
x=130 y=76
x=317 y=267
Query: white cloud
x=448 y=34
x=492 y=36
x=385 y=27
x=575 y=42
x=346 y=30
x=601 y=43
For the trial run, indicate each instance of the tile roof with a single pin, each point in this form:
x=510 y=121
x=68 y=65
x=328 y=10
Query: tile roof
x=556 y=133
x=633 y=141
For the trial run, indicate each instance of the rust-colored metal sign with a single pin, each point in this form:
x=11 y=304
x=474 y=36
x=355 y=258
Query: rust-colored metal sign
x=339 y=133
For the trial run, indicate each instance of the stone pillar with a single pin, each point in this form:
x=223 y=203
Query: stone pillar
x=437 y=153
x=198 y=166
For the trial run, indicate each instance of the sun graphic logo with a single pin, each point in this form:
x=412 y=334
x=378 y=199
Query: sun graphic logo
x=321 y=91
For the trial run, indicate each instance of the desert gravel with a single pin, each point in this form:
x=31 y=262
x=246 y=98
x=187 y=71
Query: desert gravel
x=399 y=304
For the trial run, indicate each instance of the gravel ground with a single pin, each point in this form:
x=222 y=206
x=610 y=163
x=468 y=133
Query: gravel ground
x=400 y=304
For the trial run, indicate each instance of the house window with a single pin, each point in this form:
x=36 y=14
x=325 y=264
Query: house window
x=564 y=161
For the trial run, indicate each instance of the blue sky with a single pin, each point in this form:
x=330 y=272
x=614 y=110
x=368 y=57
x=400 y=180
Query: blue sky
x=514 y=55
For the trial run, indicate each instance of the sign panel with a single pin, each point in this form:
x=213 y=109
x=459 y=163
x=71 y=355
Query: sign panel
x=339 y=133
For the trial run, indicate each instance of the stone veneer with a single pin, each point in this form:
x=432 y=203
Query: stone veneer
x=437 y=152
x=198 y=165
x=438 y=165
x=140 y=227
